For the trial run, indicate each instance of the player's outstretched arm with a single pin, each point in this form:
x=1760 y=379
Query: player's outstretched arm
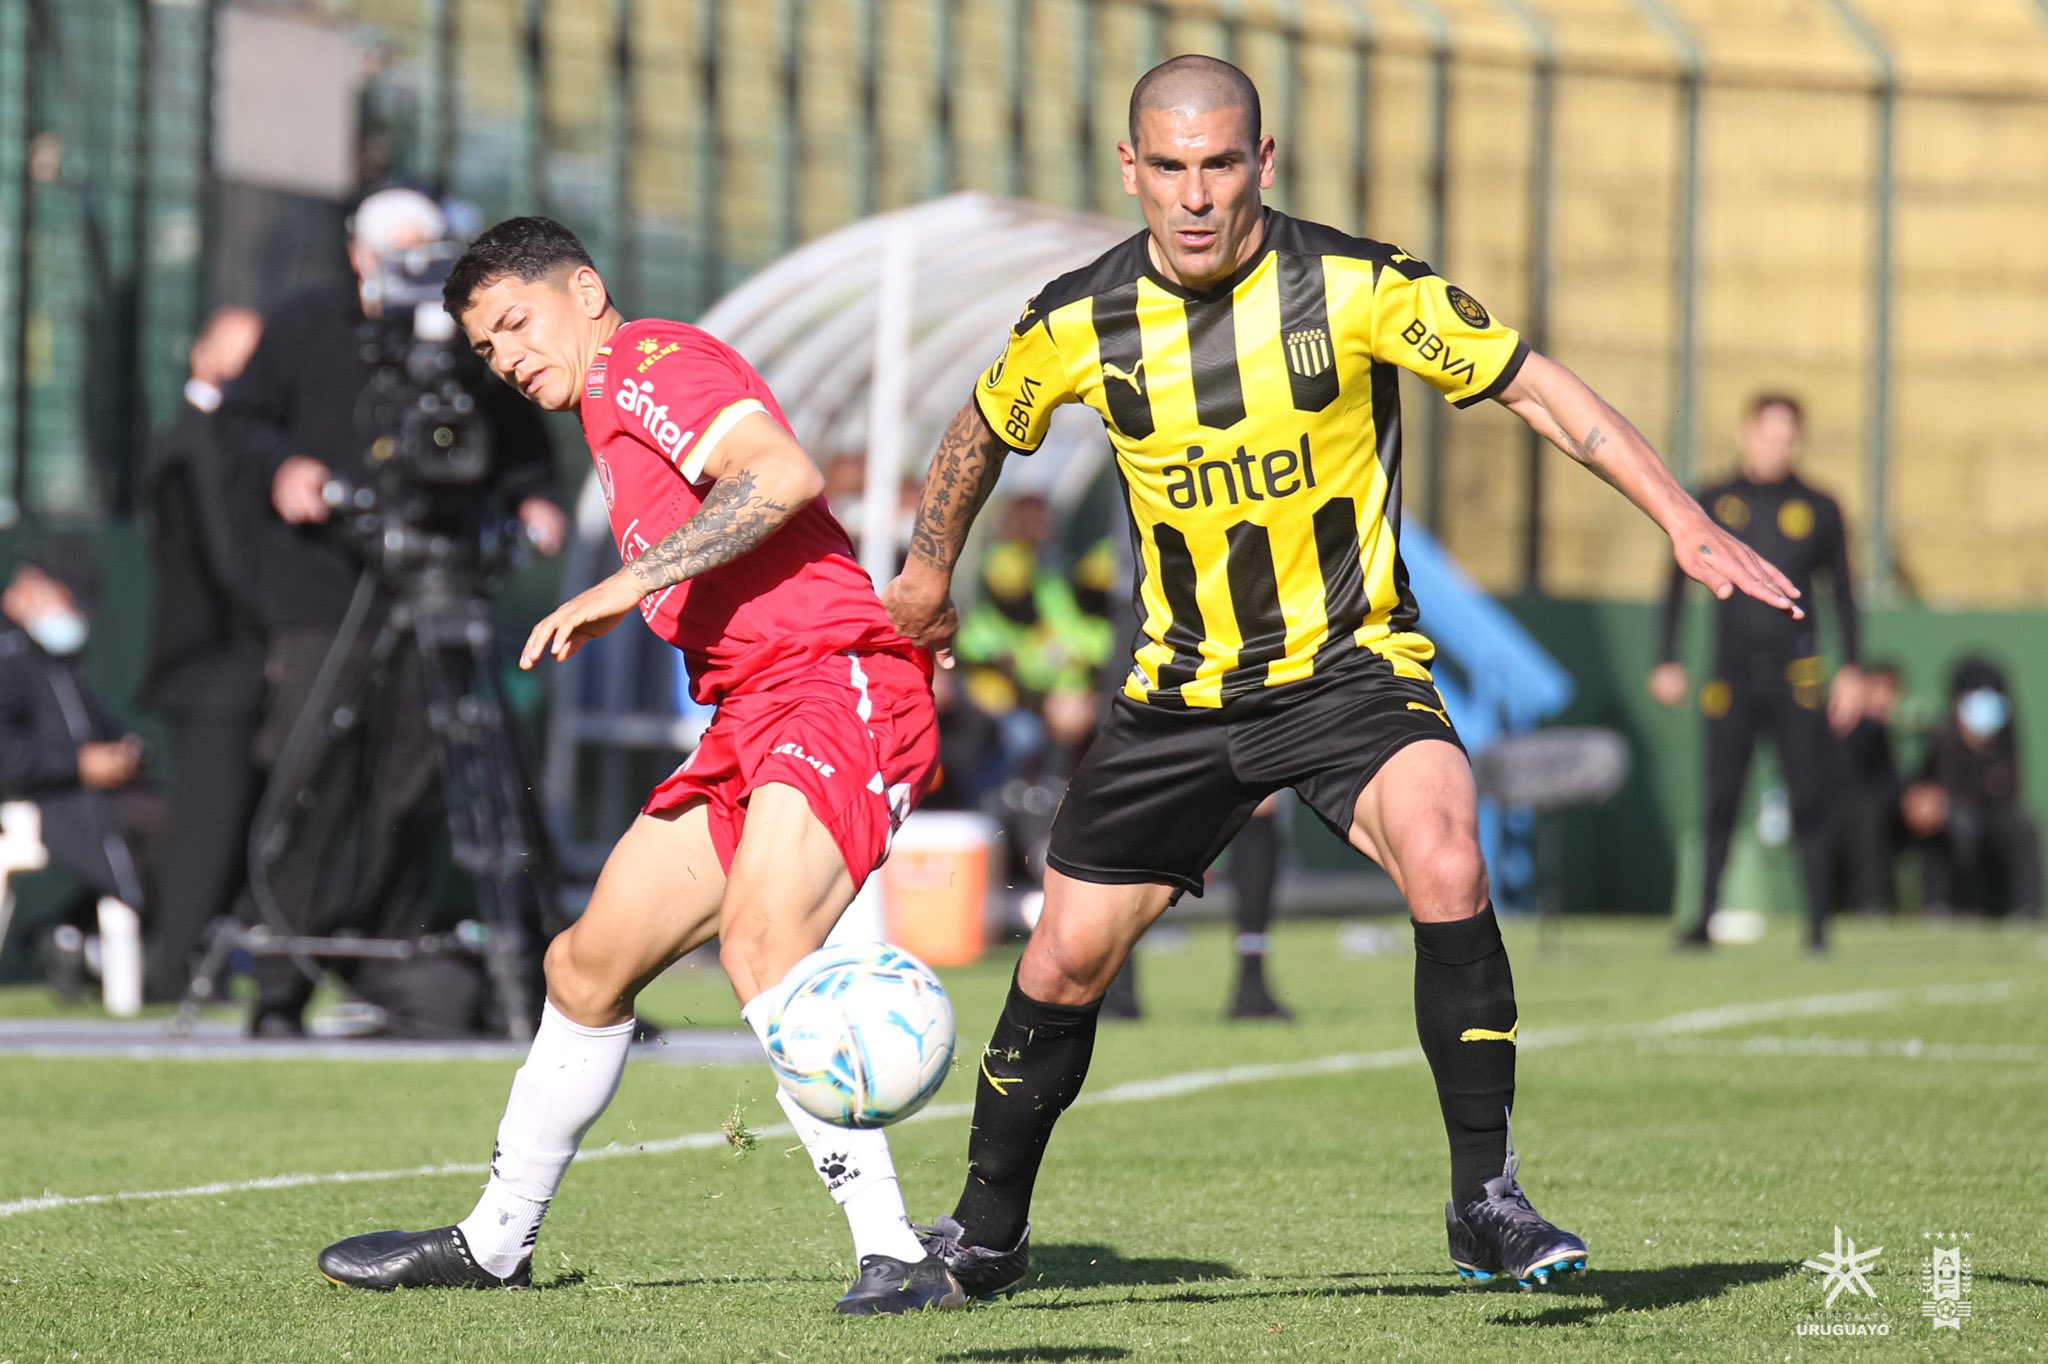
x=1558 y=406
x=761 y=478
x=963 y=472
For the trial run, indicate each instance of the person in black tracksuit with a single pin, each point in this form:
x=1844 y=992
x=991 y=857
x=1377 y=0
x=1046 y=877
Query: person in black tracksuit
x=1768 y=675
x=205 y=668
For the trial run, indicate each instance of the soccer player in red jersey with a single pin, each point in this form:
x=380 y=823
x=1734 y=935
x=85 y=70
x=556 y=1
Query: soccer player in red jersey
x=825 y=736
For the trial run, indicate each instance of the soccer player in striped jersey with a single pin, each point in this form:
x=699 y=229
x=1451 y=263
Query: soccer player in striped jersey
x=1244 y=364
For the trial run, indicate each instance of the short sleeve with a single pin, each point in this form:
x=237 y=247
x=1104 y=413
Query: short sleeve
x=1432 y=328
x=681 y=391
x=1028 y=380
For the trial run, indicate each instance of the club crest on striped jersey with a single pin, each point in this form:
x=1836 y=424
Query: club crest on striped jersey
x=1308 y=351
x=1466 y=306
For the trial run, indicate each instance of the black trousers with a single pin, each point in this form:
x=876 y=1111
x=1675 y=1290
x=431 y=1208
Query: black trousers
x=206 y=836
x=110 y=841
x=1867 y=843
x=1984 y=842
x=364 y=821
x=1737 y=715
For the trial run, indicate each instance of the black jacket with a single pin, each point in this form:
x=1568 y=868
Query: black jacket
x=46 y=713
x=1798 y=528
x=302 y=394
x=206 y=638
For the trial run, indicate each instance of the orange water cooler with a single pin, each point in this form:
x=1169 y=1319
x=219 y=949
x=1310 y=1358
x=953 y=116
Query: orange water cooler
x=935 y=885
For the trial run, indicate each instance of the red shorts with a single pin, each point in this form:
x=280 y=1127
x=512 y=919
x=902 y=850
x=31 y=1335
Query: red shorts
x=855 y=732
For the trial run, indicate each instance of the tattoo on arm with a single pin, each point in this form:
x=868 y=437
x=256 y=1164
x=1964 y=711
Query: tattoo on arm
x=734 y=518
x=963 y=473
x=1584 y=452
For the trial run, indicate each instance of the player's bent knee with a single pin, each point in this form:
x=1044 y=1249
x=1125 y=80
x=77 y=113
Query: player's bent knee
x=1056 y=969
x=579 y=993
x=1445 y=879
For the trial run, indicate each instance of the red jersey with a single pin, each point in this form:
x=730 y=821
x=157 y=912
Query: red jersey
x=657 y=402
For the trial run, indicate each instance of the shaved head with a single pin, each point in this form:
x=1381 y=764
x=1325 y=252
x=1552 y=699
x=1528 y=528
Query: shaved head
x=1195 y=85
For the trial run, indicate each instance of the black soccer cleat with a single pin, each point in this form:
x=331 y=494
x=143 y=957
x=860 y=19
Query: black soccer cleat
x=889 y=1287
x=982 y=1273
x=384 y=1260
x=1254 y=1000
x=1500 y=1235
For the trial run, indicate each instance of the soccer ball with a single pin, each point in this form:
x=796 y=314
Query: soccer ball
x=864 y=1036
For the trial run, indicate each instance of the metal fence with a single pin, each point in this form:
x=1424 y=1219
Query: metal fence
x=1686 y=200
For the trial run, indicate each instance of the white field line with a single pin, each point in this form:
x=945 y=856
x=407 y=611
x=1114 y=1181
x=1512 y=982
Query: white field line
x=1888 y=1049
x=1135 y=1091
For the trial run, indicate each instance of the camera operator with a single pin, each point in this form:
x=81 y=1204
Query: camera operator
x=301 y=417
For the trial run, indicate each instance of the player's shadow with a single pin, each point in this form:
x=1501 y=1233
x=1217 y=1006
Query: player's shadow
x=1609 y=1290
x=1646 y=1290
x=1091 y=1266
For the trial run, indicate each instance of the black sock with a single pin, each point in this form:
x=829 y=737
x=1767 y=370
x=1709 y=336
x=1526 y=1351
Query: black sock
x=1462 y=983
x=1033 y=1067
x=1254 y=863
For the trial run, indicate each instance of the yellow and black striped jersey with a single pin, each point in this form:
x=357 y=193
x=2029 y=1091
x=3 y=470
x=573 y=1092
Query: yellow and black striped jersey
x=1257 y=429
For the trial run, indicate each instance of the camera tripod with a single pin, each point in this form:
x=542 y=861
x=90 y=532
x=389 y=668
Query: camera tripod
x=431 y=586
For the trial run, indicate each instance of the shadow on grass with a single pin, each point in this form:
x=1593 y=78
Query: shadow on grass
x=1610 y=1290
x=1035 y=1354
x=1090 y=1266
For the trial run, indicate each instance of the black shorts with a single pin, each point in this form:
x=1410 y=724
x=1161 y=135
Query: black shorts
x=1162 y=792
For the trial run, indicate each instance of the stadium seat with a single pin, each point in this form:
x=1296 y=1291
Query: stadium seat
x=22 y=850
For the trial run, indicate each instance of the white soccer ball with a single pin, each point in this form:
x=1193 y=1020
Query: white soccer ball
x=864 y=1036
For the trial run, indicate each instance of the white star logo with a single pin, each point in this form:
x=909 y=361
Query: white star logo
x=1845 y=1269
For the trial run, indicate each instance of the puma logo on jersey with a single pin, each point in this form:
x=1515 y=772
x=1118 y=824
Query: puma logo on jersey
x=1489 y=1035
x=1437 y=711
x=1134 y=378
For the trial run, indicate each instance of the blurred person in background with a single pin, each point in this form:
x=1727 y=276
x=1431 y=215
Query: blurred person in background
x=204 y=674
x=970 y=749
x=1965 y=810
x=61 y=747
x=1768 y=675
x=1868 y=829
x=294 y=422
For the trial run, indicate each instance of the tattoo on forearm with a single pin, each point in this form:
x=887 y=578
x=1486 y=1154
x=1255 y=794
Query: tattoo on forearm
x=1584 y=451
x=733 y=519
x=963 y=472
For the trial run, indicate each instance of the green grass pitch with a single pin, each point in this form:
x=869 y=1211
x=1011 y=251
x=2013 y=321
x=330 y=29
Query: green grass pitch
x=1221 y=1192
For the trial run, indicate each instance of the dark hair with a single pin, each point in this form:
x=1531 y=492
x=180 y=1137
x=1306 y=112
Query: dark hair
x=1763 y=402
x=1210 y=81
x=69 y=562
x=529 y=248
x=1976 y=671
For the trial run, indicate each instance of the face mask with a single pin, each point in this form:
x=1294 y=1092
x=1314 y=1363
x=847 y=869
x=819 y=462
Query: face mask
x=59 y=632
x=1983 y=712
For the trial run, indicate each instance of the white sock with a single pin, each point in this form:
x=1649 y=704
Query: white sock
x=569 y=1077
x=855 y=1164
